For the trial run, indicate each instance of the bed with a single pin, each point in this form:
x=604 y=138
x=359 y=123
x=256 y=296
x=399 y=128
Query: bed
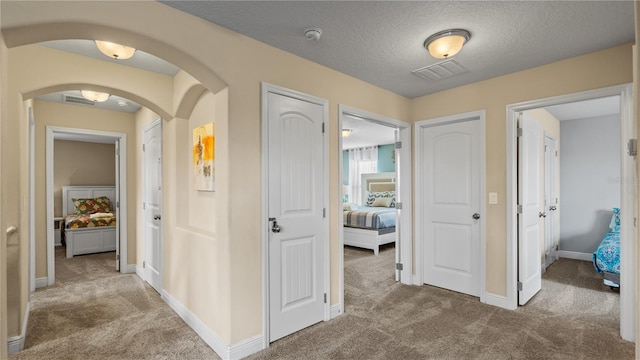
x=606 y=258
x=89 y=223
x=373 y=223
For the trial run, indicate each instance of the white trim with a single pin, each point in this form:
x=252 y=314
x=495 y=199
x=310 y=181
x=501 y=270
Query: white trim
x=130 y=268
x=496 y=300
x=628 y=236
x=267 y=88
x=51 y=133
x=16 y=343
x=236 y=351
x=335 y=311
x=480 y=116
x=42 y=282
x=32 y=203
x=404 y=253
x=575 y=255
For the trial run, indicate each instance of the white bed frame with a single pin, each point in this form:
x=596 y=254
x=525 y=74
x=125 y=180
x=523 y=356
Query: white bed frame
x=370 y=238
x=88 y=240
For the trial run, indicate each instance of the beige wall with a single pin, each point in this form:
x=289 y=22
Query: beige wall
x=81 y=163
x=226 y=268
x=79 y=117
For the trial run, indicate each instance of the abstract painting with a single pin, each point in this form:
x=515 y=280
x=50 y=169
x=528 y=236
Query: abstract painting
x=204 y=157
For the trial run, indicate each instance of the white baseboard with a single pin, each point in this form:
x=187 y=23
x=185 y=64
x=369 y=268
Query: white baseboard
x=131 y=268
x=16 y=343
x=42 y=282
x=497 y=300
x=575 y=255
x=335 y=311
x=236 y=351
x=139 y=272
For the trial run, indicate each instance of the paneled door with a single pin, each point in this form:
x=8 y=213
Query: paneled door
x=530 y=209
x=152 y=157
x=295 y=209
x=451 y=167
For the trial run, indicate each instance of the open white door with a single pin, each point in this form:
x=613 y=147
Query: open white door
x=529 y=209
x=551 y=226
x=296 y=191
x=117 y=157
x=152 y=172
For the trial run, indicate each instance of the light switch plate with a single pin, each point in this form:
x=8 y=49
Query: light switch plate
x=493 y=198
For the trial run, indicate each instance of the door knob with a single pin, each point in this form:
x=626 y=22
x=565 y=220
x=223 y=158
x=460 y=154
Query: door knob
x=553 y=208
x=476 y=216
x=156 y=217
x=542 y=214
x=275 y=227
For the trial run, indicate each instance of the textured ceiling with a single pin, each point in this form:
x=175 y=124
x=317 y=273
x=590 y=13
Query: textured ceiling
x=380 y=42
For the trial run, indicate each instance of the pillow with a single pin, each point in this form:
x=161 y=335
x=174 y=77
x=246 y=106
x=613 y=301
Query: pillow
x=90 y=206
x=372 y=196
x=614 y=225
x=350 y=207
x=381 y=202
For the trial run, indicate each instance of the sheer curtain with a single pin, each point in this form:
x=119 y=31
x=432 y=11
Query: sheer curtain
x=361 y=161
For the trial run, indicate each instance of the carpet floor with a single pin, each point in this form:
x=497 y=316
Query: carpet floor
x=95 y=313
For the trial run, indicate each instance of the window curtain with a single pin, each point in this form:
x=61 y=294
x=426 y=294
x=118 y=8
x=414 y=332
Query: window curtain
x=361 y=161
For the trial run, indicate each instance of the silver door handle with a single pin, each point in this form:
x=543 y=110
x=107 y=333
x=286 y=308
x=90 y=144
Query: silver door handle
x=476 y=216
x=156 y=217
x=542 y=214
x=553 y=208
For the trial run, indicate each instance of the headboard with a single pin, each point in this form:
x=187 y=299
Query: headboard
x=378 y=182
x=86 y=192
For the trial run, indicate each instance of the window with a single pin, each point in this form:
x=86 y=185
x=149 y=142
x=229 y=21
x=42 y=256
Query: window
x=361 y=161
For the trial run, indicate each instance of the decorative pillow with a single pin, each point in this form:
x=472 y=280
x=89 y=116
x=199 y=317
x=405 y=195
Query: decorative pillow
x=381 y=202
x=614 y=225
x=90 y=206
x=372 y=196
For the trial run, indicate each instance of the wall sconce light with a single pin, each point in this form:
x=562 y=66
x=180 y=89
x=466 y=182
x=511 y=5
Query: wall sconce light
x=447 y=43
x=116 y=51
x=95 y=95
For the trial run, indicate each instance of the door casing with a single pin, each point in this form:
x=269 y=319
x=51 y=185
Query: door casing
x=267 y=88
x=628 y=198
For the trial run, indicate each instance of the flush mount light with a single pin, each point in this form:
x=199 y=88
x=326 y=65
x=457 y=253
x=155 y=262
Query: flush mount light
x=446 y=43
x=94 y=95
x=346 y=132
x=116 y=51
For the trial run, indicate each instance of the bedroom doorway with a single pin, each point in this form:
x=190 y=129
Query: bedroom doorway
x=621 y=95
x=53 y=133
x=353 y=126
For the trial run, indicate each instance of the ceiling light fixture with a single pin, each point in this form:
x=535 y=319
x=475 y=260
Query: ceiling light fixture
x=446 y=43
x=346 y=132
x=95 y=95
x=116 y=51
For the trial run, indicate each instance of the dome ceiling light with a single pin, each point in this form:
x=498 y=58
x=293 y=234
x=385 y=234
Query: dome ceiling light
x=116 y=51
x=446 y=43
x=346 y=132
x=95 y=95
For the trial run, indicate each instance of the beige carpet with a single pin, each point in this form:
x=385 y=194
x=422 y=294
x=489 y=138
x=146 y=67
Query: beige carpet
x=95 y=313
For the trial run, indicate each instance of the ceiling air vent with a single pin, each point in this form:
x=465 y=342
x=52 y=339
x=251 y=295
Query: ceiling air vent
x=441 y=70
x=70 y=99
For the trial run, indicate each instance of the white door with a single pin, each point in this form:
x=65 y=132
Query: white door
x=551 y=233
x=117 y=204
x=296 y=222
x=152 y=204
x=451 y=164
x=530 y=209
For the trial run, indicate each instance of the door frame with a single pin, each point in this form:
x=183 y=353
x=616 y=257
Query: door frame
x=404 y=196
x=145 y=243
x=556 y=184
x=55 y=131
x=479 y=115
x=265 y=89
x=627 y=164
